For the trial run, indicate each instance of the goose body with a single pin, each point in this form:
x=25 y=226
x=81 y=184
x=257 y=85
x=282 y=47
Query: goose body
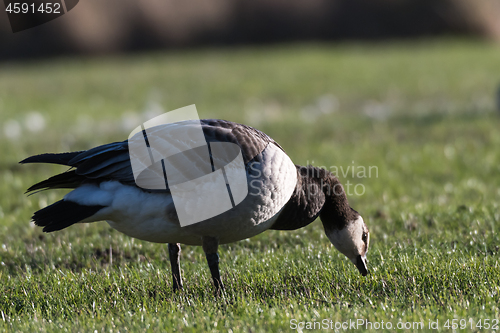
x=281 y=196
x=151 y=216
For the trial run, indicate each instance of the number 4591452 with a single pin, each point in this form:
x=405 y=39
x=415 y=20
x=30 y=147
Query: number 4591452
x=24 y=8
x=463 y=324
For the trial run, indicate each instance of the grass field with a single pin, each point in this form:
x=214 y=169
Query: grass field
x=421 y=114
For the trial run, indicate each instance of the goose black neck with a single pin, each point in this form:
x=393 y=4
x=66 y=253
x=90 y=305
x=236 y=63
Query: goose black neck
x=336 y=212
x=318 y=192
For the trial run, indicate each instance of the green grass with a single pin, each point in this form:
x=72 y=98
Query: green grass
x=422 y=113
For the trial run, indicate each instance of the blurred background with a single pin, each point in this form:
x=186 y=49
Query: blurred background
x=111 y=26
x=328 y=77
x=409 y=86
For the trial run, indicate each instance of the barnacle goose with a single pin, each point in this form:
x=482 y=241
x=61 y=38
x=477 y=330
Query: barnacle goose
x=282 y=196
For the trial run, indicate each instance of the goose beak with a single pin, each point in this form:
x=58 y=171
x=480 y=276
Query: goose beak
x=361 y=265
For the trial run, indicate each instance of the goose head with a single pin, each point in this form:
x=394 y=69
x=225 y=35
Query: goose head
x=346 y=229
x=353 y=241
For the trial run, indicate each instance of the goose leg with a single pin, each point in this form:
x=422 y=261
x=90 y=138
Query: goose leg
x=174 y=250
x=210 y=246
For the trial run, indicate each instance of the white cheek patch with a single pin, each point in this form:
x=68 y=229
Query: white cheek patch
x=340 y=238
x=349 y=240
x=357 y=230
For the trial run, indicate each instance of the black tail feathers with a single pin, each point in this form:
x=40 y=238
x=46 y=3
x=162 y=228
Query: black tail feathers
x=68 y=179
x=62 y=214
x=62 y=158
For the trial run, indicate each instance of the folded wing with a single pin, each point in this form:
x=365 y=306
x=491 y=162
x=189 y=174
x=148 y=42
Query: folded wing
x=112 y=161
